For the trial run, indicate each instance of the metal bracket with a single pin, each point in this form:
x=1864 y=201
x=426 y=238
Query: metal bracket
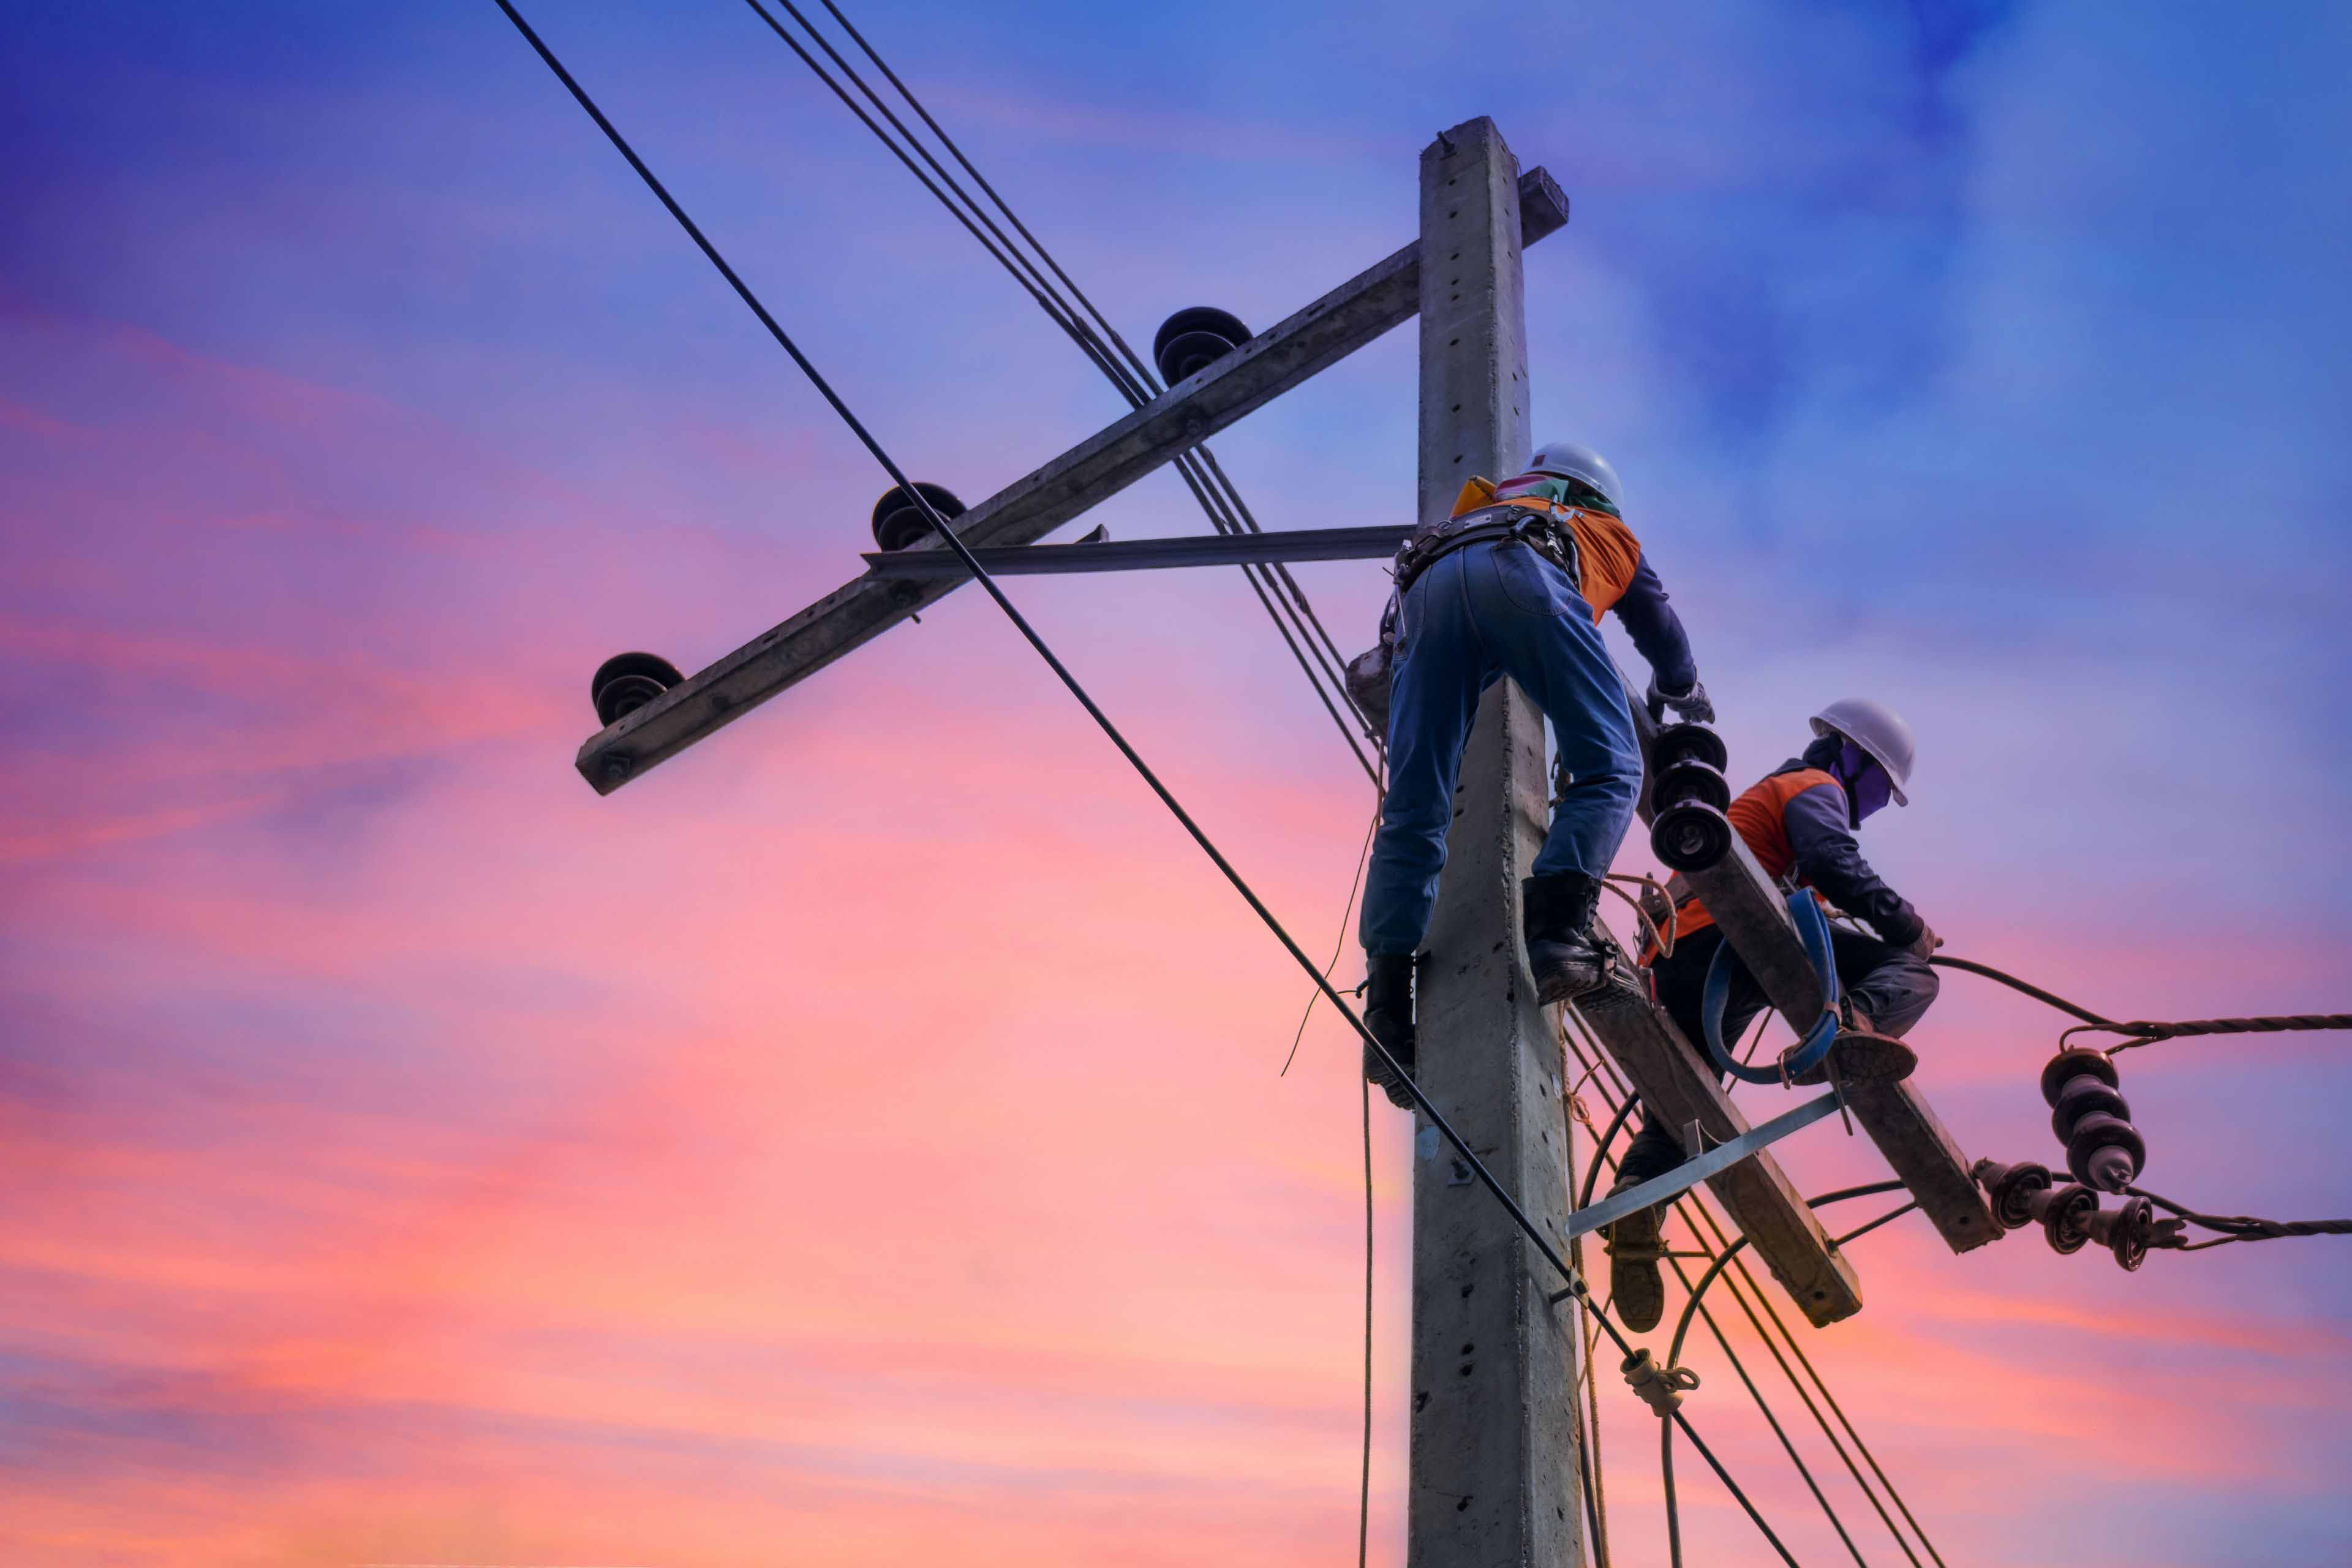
x=1697 y=1168
x=1693 y=1139
x=1374 y=544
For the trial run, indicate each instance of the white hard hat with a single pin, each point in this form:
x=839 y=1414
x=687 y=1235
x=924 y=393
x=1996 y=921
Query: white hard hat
x=1877 y=729
x=1574 y=460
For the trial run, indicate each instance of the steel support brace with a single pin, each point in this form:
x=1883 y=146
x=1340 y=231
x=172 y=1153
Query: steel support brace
x=1383 y=296
x=1692 y=1172
x=1374 y=544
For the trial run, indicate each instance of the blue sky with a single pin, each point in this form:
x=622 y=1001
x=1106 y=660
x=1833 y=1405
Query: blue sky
x=354 y=401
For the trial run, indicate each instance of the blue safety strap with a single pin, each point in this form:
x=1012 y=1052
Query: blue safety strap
x=1815 y=927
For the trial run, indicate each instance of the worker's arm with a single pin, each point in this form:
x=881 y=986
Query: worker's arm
x=1820 y=832
x=1656 y=631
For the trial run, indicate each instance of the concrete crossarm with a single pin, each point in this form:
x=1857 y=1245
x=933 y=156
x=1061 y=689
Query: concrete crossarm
x=1675 y=1083
x=1186 y=414
x=1757 y=1194
x=1753 y=916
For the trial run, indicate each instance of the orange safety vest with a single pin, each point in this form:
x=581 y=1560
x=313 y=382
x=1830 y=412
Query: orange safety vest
x=1758 y=815
x=1607 y=553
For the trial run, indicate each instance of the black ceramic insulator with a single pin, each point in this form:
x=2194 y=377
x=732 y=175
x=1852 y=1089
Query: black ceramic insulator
x=2083 y=1097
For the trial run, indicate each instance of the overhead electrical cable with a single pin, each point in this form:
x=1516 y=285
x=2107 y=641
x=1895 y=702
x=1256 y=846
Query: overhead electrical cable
x=1697 y=1211
x=1216 y=494
x=980 y=573
x=1286 y=603
x=1764 y=1405
x=1142 y=367
x=1219 y=500
x=2145 y=1031
x=2243 y=1227
x=1695 y=1306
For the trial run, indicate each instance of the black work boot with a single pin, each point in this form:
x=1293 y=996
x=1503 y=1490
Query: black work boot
x=1637 y=1293
x=1862 y=1055
x=1388 y=1013
x=1558 y=913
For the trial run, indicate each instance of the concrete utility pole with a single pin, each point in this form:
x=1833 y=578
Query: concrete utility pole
x=1493 y=1470
x=1494 y=1463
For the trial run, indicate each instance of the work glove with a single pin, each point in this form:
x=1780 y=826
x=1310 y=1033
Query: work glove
x=1925 y=944
x=1691 y=707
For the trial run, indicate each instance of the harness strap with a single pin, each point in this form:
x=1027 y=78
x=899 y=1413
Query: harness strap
x=1543 y=532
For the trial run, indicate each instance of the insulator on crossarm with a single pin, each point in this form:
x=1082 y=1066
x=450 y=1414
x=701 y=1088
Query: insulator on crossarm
x=899 y=522
x=2091 y=1118
x=1193 y=340
x=2010 y=1188
x=627 y=682
x=2126 y=1231
x=2065 y=1215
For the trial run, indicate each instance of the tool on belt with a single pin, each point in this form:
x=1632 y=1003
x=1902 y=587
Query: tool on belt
x=1545 y=532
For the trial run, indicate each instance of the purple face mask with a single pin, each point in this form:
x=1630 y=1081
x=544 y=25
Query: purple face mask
x=1866 y=784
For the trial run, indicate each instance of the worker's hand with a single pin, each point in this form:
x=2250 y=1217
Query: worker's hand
x=1692 y=707
x=1926 y=943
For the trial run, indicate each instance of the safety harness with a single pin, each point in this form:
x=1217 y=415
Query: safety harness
x=1541 y=525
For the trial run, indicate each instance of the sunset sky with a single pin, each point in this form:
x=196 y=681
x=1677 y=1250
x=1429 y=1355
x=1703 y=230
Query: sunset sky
x=860 y=1142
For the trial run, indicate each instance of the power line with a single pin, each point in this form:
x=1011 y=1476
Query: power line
x=1319 y=659
x=2145 y=1031
x=1696 y=1209
x=1478 y=1166
x=1704 y=1211
x=1730 y=1255
x=2244 y=1228
x=1727 y=1255
x=1742 y=1276
x=1763 y=1405
x=1143 y=369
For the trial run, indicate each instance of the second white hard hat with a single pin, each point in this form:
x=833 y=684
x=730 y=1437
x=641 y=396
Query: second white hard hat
x=1575 y=461
x=1877 y=729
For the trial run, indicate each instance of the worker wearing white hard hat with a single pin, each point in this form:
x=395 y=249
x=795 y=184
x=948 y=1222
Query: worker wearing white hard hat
x=1799 y=822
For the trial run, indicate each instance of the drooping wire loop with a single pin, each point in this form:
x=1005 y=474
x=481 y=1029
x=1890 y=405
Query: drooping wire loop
x=1814 y=1048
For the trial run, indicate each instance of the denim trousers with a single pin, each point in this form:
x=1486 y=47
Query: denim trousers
x=1483 y=612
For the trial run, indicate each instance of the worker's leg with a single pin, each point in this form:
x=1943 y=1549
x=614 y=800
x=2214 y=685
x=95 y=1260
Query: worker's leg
x=1433 y=697
x=1890 y=985
x=1540 y=631
x=1441 y=668
x=1682 y=986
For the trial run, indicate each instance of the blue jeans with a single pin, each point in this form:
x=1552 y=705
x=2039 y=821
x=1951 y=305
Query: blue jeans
x=1483 y=612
